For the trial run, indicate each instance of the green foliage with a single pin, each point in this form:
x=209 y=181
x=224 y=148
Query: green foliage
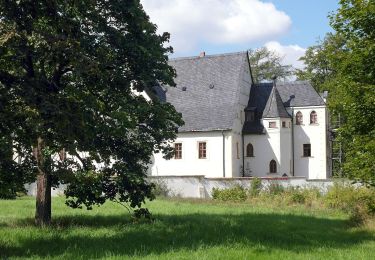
x=160 y=188
x=266 y=64
x=142 y=214
x=344 y=64
x=255 y=187
x=296 y=195
x=347 y=197
x=69 y=76
x=235 y=193
x=275 y=188
x=321 y=61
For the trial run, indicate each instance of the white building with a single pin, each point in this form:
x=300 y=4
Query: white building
x=234 y=128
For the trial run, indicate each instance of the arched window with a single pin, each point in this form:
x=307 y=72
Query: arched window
x=249 y=150
x=273 y=167
x=313 y=118
x=299 y=118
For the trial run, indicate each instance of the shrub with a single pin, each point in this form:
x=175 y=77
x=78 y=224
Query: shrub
x=358 y=201
x=255 y=187
x=7 y=194
x=160 y=188
x=275 y=188
x=236 y=193
x=359 y=215
x=296 y=195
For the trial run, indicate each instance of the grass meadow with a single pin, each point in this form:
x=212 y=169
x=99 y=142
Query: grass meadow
x=183 y=229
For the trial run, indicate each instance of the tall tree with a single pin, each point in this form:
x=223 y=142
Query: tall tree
x=350 y=61
x=266 y=64
x=69 y=76
x=321 y=61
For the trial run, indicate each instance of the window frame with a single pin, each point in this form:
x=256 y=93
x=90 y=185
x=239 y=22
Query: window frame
x=178 y=152
x=249 y=116
x=202 y=151
x=272 y=122
x=299 y=118
x=313 y=118
x=273 y=166
x=306 y=150
x=250 y=150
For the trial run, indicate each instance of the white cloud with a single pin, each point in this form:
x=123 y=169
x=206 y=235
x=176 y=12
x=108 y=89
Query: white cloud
x=198 y=22
x=291 y=53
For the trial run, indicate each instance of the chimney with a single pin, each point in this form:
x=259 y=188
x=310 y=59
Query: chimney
x=202 y=54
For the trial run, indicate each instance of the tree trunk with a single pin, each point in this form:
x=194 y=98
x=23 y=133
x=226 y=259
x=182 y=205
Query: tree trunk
x=43 y=193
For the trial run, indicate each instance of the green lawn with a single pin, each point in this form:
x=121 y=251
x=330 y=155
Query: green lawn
x=182 y=230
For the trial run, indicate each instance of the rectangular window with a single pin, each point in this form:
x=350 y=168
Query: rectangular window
x=238 y=151
x=178 y=150
x=284 y=124
x=250 y=116
x=306 y=150
x=202 y=153
x=272 y=124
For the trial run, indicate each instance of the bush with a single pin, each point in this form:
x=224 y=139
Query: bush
x=160 y=188
x=275 y=188
x=295 y=195
x=359 y=215
x=255 y=187
x=7 y=193
x=236 y=193
x=358 y=201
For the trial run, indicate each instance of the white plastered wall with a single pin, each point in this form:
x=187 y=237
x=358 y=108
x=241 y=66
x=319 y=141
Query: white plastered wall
x=190 y=164
x=243 y=99
x=314 y=167
x=275 y=144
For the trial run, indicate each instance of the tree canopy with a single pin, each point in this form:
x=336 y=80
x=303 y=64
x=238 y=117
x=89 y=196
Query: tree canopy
x=344 y=64
x=266 y=64
x=70 y=72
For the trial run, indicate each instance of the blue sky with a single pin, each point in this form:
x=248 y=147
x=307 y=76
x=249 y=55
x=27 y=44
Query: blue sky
x=287 y=27
x=309 y=20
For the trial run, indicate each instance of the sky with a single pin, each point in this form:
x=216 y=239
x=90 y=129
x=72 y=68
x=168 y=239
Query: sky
x=287 y=27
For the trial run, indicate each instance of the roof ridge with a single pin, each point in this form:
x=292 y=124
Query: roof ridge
x=208 y=56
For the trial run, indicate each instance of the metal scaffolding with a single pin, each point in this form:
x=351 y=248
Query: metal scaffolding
x=336 y=147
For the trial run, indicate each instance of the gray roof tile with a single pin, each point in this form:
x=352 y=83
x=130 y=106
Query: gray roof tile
x=274 y=106
x=204 y=108
x=299 y=94
x=292 y=94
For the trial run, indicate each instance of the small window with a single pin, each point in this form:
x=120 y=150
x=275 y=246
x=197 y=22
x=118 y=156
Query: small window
x=313 y=118
x=250 y=116
x=202 y=153
x=238 y=151
x=273 y=167
x=299 y=118
x=178 y=150
x=249 y=150
x=272 y=124
x=283 y=124
x=306 y=150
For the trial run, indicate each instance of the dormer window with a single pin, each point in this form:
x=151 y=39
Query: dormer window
x=250 y=116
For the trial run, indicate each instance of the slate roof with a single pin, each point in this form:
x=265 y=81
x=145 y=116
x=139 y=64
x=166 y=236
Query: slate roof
x=207 y=90
x=299 y=94
x=292 y=94
x=274 y=106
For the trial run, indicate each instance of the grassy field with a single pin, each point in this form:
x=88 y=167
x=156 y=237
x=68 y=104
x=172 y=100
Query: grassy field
x=182 y=230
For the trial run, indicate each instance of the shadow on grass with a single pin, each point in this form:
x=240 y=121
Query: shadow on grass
x=100 y=236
